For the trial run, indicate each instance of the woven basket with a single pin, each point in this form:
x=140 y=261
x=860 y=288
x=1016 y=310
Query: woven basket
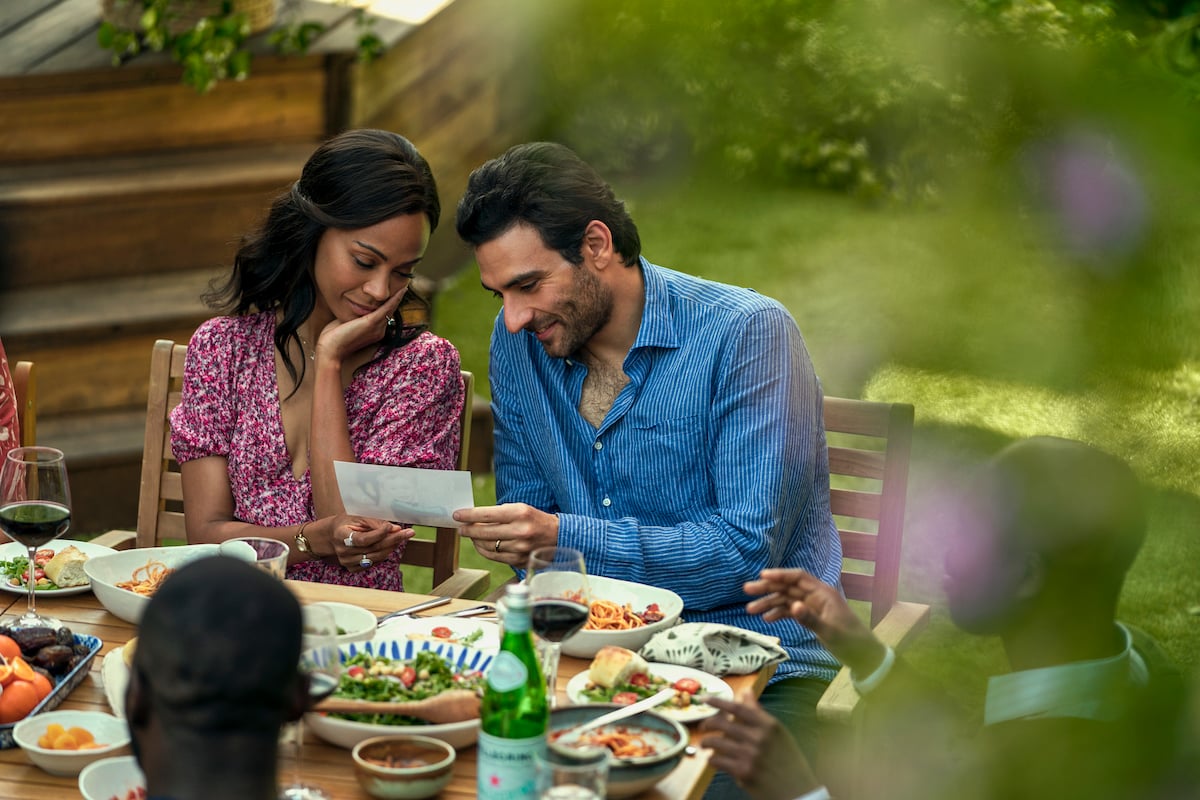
x=186 y=13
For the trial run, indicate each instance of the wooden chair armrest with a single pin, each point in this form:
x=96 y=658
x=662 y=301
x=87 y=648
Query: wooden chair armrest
x=497 y=594
x=117 y=540
x=840 y=703
x=470 y=584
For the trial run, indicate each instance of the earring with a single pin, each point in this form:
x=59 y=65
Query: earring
x=391 y=324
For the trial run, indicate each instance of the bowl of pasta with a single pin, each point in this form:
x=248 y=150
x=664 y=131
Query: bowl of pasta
x=642 y=749
x=124 y=581
x=623 y=614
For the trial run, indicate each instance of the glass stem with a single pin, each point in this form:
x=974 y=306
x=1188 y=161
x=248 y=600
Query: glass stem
x=32 y=584
x=551 y=669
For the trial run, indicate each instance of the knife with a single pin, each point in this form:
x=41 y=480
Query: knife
x=473 y=611
x=423 y=606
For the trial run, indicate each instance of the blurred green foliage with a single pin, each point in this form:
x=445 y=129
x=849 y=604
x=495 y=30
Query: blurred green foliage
x=875 y=98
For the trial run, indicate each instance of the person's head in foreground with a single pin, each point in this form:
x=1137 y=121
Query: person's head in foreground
x=214 y=677
x=1054 y=526
x=550 y=238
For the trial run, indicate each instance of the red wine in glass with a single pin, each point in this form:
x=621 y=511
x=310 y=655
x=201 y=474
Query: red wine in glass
x=555 y=620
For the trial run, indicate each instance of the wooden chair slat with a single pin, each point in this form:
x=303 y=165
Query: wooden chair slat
x=853 y=503
x=24 y=377
x=856 y=463
x=858 y=545
x=857 y=586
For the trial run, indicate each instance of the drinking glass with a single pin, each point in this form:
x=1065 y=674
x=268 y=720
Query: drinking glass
x=321 y=661
x=559 y=602
x=572 y=773
x=35 y=507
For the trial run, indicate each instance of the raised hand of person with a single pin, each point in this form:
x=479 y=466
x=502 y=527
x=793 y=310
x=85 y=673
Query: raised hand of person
x=508 y=533
x=342 y=339
x=822 y=609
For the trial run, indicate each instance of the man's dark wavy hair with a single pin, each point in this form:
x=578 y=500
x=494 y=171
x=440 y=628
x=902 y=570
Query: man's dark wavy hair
x=546 y=186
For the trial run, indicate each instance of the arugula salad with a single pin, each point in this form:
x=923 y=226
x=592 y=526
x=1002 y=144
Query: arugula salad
x=642 y=685
x=378 y=678
x=16 y=571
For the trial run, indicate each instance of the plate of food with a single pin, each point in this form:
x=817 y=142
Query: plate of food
x=463 y=631
x=387 y=669
x=58 y=566
x=621 y=676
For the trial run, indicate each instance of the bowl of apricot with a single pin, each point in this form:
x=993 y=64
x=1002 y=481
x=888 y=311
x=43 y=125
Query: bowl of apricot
x=64 y=742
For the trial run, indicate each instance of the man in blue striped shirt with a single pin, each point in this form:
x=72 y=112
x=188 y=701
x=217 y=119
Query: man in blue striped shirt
x=668 y=427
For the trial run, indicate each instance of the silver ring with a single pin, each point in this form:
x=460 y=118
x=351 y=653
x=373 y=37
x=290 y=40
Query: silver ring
x=365 y=562
x=348 y=541
x=497 y=545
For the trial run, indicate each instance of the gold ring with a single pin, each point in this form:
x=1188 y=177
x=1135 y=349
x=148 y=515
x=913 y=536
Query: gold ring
x=497 y=545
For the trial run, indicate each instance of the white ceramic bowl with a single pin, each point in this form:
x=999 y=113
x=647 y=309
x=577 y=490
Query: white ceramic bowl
x=111 y=777
x=427 y=766
x=105 y=729
x=585 y=644
x=357 y=624
x=105 y=572
x=347 y=733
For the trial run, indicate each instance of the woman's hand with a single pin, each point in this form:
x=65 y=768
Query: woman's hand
x=353 y=538
x=341 y=340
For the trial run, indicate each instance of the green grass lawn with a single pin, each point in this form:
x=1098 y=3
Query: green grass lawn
x=968 y=313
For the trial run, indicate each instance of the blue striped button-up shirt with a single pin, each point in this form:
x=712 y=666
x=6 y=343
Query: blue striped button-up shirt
x=710 y=465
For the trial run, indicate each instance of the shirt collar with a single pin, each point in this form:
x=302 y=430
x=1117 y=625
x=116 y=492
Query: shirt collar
x=1099 y=689
x=658 y=323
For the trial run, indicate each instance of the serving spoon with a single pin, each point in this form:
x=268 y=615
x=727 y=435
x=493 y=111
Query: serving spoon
x=456 y=705
x=571 y=735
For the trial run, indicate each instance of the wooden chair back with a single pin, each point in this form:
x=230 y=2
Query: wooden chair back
x=869 y=449
x=160 y=504
x=24 y=379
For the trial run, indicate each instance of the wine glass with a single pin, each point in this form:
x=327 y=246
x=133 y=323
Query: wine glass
x=559 y=602
x=321 y=662
x=35 y=507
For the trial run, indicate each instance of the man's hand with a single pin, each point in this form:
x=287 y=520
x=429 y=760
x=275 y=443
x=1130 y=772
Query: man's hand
x=508 y=533
x=757 y=750
x=821 y=608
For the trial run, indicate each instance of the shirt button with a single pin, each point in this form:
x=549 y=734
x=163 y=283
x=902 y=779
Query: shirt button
x=606 y=502
x=598 y=445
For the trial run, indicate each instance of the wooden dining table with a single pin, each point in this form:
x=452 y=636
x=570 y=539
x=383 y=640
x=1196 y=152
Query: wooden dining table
x=323 y=764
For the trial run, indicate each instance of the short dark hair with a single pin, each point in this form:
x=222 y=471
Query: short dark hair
x=1081 y=508
x=356 y=179
x=546 y=186
x=218 y=648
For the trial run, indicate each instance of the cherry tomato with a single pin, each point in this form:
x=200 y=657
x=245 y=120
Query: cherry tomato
x=42 y=557
x=408 y=676
x=625 y=698
x=652 y=614
x=640 y=679
x=356 y=671
x=441 y=632
x=686 y=685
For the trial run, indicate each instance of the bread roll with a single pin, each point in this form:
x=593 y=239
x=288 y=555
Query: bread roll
x=613 y=666
x=66 y=568
x=128 y=650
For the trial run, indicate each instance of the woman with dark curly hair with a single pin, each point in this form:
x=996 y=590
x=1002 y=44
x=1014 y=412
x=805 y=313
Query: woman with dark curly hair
x=317 y=361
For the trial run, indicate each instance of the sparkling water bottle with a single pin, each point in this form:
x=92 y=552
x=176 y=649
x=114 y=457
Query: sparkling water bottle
x=514 y=714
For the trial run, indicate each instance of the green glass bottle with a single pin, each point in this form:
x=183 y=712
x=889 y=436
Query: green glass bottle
x=514 y=714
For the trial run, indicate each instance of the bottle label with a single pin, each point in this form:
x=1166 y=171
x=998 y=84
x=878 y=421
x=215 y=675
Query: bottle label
x=506 y=768
x=507 y=672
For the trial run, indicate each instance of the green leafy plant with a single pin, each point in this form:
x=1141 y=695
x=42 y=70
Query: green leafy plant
x=214 y=47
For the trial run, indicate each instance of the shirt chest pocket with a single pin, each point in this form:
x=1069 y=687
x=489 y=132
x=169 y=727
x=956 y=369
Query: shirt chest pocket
x=663 y=470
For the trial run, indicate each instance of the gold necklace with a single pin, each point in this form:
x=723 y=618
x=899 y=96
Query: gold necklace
x=306 y=348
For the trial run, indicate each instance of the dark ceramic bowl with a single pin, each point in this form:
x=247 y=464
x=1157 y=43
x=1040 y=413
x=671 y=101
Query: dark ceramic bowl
x=627 y=776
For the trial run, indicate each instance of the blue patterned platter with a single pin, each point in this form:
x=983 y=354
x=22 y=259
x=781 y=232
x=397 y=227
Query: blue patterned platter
x=345 y=733
x=64 y=686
